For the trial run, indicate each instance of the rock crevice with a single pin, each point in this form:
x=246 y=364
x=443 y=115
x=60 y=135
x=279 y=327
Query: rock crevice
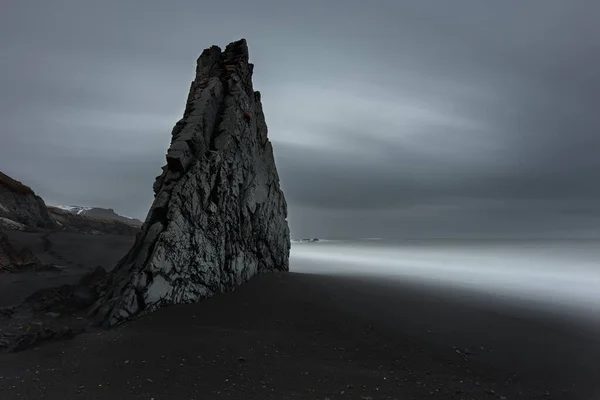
x=219 y=215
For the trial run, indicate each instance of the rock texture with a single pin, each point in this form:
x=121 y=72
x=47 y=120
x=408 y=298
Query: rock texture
x=20 y=204
x=219 y=216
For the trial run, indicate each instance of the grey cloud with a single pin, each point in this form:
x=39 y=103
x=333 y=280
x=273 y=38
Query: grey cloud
x=397 y=117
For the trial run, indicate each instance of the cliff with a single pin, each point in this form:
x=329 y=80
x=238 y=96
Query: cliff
x=20 y=204
x=219 y=216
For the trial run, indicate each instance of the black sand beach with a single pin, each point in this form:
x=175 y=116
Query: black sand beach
x=74 y=254
x=302 y=336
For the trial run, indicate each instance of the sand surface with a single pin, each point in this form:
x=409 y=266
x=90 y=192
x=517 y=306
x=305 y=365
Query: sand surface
x=302 y=336
x=74 y=254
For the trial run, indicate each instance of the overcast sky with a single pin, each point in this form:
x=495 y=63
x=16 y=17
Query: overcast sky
x=388 y=118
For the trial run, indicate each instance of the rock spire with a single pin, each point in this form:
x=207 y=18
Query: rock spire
x=219 y=215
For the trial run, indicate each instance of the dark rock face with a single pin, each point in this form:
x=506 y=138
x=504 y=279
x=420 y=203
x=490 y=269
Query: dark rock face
x=219 y=216
x=20 y=204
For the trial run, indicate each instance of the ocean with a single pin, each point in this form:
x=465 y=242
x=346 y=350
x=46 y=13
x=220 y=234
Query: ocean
x=558 y=276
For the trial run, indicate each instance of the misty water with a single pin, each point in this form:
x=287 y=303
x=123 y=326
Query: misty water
x=558 y=276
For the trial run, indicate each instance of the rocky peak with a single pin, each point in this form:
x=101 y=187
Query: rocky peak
x=219 y=215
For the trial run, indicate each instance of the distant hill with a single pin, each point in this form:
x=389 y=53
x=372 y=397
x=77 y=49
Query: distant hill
x=81 y=222
x=21 y=209
x=102 y=213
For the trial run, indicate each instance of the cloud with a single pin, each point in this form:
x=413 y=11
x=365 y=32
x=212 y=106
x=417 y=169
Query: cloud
x=406 y=118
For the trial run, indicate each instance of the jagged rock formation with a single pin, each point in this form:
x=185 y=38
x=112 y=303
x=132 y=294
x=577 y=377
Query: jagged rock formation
x=20 y=204
x=219 y=216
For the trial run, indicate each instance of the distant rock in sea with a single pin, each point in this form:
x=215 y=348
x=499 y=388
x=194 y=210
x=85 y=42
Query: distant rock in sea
x=219 y=215
x=305 y=240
